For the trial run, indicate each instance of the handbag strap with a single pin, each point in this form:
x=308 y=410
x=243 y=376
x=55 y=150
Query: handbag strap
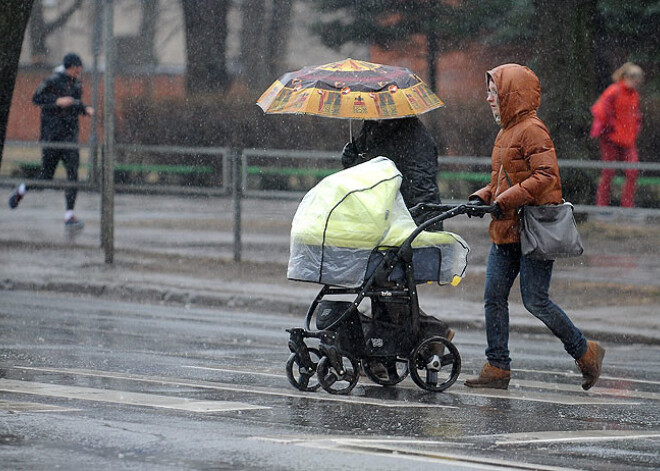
x=563 y=201
x=521 y=209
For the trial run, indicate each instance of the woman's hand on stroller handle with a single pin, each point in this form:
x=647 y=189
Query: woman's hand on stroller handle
x=478 y=207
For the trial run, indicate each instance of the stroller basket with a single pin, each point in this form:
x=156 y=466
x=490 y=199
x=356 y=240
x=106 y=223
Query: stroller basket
x=329 y=311
x=349 y=331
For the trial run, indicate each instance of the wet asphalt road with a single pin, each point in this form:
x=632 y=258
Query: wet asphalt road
x=101 y=384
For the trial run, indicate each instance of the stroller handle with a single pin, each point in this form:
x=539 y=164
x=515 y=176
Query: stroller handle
x=469 y=209
x=447 y=211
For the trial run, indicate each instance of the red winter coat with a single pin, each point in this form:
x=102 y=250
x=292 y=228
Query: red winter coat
x=617 y=117
x=524 y=149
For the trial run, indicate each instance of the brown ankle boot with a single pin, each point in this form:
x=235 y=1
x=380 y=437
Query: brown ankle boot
x=590 y=364
x=490 y=377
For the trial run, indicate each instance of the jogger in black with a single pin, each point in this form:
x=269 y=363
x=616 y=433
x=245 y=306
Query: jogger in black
x=59 y=97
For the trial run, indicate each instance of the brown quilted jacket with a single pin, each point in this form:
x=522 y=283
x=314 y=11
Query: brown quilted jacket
x=523 y=148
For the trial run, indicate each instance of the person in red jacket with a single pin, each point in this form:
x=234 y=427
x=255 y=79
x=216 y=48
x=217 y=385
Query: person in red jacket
x=617 y=122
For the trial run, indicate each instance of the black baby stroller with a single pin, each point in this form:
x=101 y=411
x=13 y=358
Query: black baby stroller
x=353 y=234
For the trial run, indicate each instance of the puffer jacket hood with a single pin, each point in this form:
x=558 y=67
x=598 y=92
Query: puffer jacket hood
x=519 y=92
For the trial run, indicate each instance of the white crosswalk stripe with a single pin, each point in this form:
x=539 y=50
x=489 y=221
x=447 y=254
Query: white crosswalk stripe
x=121 y=397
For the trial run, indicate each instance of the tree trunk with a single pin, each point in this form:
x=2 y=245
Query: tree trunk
x=432 y=58
x=14 y=16
x=278 y=36
x=147 y=34
x=602 y=67
x=206 y=37
x=40 y=30
x=253 y=51
x=565 y=54
x=37 y=28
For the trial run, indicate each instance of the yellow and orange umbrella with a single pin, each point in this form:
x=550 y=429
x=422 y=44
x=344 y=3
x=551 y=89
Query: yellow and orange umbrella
x=350 y=89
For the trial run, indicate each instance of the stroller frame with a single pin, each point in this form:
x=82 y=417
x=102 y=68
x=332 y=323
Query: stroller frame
x=433 y=362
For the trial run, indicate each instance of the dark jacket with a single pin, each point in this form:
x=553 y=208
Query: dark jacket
x=410 y=146
x=523 y=151
x=57 y=123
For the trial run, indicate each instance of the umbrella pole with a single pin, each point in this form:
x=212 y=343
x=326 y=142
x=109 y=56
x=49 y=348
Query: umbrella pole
x=350 y=129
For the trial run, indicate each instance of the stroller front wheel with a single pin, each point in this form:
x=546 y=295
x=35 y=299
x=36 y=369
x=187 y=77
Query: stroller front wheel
x=338 y=379
x=386 y=372
x=300 y=375
x=431 y=367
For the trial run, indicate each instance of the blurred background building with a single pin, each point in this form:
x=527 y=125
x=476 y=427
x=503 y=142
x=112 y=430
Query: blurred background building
x=190 y=71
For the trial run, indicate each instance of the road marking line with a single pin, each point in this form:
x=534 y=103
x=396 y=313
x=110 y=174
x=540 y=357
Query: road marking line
x=321 y=396
x=232 y=370
x=15 y=407
x=577 y=375
x=580 y=399
x=121 y=397
x=572 y=436
x=546 y=397
x=618 y=393
x=577 y=397
x=389 y=448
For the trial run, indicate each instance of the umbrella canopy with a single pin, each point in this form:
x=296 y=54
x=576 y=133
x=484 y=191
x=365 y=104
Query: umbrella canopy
x=350 y=89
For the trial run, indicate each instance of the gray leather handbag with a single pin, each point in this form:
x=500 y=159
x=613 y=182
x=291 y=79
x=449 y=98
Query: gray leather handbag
x=549 y=232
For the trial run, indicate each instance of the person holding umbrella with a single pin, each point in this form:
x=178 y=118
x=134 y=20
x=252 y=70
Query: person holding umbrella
x=388 y=99
x=407 y=143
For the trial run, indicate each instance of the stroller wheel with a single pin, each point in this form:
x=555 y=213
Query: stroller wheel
x=299 y=376
x=435 y=364
x=338 y=382
x=386 y=372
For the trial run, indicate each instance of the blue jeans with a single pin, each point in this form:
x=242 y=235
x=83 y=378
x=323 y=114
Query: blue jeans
x=504 y=263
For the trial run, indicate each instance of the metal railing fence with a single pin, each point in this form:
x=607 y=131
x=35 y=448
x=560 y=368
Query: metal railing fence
x=238 y=167
x=321 y=163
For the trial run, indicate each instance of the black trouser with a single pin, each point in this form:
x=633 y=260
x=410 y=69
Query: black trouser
x=71 y=159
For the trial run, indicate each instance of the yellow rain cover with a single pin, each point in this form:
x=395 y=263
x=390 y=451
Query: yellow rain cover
x=347 y=215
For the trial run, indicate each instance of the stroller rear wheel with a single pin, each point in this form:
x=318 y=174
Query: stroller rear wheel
x=338 y=380
x=386 y=371
x=299 y=375
x=431 y=367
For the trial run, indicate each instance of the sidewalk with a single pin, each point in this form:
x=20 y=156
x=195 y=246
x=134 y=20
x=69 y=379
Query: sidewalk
x=180 y=250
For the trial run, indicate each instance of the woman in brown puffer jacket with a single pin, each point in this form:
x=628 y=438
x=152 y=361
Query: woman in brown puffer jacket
x=524 y=172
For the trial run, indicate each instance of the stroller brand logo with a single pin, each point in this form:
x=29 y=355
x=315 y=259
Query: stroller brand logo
x=376 y=343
